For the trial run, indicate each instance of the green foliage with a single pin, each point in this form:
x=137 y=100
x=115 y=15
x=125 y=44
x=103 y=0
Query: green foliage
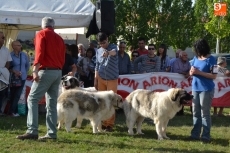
x=158 y=21
x=177 y=23
x=217 y=26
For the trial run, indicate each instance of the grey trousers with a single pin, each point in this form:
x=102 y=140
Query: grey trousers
x=48 y=85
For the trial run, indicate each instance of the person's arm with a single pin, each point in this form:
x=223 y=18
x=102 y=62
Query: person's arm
x=74 y=70
x=27 y=66
x=39 y=49
x=96 y=71
x=227 y=73
x=167 y=64
x=7 y=65
x=135 y=63
x=35 y=72
x=195 y=71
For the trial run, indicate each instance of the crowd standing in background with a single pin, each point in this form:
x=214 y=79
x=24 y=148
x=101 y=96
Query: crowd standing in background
x=149 y=62
x=86 y=68
x=124 y=63
x=5 y=60
x=222 y=71
x=19 y=67
x=162 y=54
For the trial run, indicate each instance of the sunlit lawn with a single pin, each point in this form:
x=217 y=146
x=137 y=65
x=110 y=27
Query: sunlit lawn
x=82 y=140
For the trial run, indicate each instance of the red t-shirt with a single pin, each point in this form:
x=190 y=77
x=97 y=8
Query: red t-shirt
x=49 y=49
x=142 y=52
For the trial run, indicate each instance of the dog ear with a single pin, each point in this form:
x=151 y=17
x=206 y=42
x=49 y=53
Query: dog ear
x=174 y=94
x=77 y=82
x=64 y=77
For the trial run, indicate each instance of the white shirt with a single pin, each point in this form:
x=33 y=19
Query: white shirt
x=4 y=56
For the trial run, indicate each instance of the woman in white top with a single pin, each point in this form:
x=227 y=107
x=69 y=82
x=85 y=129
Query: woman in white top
x=222 y=71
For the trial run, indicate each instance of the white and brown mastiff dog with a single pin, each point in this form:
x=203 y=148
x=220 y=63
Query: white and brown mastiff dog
x=158 y=106
x=95 y=106
x=70 y=82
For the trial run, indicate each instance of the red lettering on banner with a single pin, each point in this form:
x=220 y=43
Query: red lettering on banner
x=125 y=81
x=146 y=84
x=128 y=82
x=161 y=80
x=183 y=84
x=165 y=81
x=172 y=84
x=227 y=82
x=220 y=85
x=153 y=80
x=134 y=84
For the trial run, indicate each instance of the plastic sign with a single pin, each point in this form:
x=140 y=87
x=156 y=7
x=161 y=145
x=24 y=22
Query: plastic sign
x=220 y=9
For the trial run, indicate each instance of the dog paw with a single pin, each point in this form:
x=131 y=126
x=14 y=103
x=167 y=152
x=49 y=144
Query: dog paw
x=160 y=138
x=140 y=133
x=167 y=137
x=130 y=132
x=78 y=127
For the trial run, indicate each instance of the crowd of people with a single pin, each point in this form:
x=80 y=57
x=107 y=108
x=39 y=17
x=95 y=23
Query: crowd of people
x=100 y=66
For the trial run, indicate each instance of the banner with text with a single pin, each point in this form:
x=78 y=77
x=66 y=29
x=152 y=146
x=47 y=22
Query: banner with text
x=161 y=81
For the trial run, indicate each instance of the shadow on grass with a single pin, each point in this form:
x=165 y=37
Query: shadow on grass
x=183 y=150
x=216 y=141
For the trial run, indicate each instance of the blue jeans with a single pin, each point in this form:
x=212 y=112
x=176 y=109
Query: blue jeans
x=48 y=85
x=201 y=106
x=15 y=93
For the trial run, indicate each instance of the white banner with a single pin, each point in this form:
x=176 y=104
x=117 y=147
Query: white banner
x=161 y=81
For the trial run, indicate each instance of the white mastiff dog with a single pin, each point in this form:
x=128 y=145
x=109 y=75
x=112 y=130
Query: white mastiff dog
x=95 y=106
x=158 y=106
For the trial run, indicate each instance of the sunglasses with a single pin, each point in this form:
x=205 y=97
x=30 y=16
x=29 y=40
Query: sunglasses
x=134 y=55
x=151 y=48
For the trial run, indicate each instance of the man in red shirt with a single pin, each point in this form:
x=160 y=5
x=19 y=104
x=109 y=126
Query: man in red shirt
x=49 y=60
x=141 y=44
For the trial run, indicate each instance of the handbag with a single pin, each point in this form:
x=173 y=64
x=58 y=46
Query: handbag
x=16 y=81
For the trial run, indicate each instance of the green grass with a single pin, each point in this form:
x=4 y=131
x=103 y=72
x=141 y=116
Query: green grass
x=82 y=140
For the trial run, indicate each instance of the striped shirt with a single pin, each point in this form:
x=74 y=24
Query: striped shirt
x=107 y=67
x=148 y=64
x=222 y=70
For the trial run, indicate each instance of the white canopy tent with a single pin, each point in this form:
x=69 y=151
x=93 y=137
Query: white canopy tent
x=18 y=15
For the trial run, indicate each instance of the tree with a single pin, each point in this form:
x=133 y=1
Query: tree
x=158 y=21
x=217 y=26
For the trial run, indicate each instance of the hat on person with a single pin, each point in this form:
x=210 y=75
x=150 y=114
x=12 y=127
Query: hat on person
x=221 y=60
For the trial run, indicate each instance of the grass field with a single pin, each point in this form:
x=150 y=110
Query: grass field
x=82 y=140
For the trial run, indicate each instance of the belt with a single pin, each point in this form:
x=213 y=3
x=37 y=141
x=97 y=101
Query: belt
x=50 y=68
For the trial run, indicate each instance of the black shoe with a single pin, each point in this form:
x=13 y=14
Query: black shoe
x=193 y=138
x=109 y=129
x=27 y=136
x=205 y=140
x=45 y=138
